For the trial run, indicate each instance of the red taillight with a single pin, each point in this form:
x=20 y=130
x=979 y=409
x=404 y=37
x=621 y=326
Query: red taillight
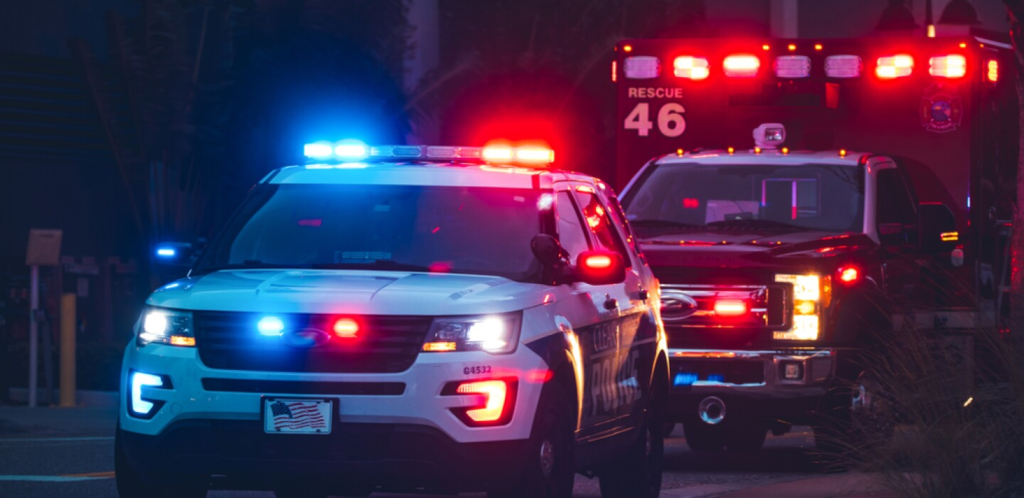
x=741 y=66
x=346 y=328
x=992 y=75
x=690 y=203
x=597 y=262
x=694 y=68
x=497 y=401
x=730 y=307
x=948 y=66
x=895 y=66
x=849 y=274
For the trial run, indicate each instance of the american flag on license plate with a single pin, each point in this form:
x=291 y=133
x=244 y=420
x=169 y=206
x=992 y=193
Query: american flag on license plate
x=297 y=415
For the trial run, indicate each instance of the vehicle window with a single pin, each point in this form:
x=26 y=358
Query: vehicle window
x=473 y=230
x=570 y=227
x=894 y=202
x=802 y=197
x=599 y=221
x=619 y=217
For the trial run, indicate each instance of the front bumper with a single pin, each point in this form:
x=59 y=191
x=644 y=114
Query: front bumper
x=409 y=398
x=755 y=380
x=402 y=457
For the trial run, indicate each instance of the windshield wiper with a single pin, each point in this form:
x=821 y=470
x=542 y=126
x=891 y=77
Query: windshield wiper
x=378 y=264
x=771 y=224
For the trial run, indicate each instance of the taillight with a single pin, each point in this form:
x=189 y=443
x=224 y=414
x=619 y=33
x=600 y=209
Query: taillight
x=730 y=307
x=497 y=400
x=948 y=66
x=741 y=66
x=694 y=68
x=896 y=66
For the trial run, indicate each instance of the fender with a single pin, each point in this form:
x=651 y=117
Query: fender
x=561 y=353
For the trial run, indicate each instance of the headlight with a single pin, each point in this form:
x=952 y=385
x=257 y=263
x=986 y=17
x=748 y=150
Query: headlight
x=807 y=301
x=166 y=327
x=491 y=333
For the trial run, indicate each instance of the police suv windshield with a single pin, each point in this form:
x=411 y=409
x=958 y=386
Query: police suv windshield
x=701 y=196
x=483 y=231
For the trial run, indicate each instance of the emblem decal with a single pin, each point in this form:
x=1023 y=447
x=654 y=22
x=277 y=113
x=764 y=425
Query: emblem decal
x=941 y=109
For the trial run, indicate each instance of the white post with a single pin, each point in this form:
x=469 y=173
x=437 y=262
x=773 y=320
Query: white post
x=33 y=338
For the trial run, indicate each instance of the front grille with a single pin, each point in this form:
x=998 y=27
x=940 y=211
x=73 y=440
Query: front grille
x=304 y=387
x=767 y=306
x=385 y=344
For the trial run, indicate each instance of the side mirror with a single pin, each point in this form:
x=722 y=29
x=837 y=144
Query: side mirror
x=936 y=227
x=548 y=250
x=173 y=253
x=600 y=268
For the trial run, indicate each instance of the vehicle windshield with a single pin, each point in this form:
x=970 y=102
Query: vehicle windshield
x=484 y=231
x=679 y=197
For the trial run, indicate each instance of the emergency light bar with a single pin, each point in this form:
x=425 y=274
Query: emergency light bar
x=741 y=66
x=690 y=67
x=843 y=66
x=793 y=66
x=349 y=151
x=948 y=66
x=896 y=66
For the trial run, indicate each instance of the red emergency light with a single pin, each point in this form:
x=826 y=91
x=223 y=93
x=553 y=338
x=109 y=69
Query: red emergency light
x=895 y=66
x=948 y=66
x=346 y=328
x=741 y=66
x=690 y=67
x=730 y=307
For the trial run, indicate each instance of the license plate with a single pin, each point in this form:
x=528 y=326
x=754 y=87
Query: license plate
x=297 y=416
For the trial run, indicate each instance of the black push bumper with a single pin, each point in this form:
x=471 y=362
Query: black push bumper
x=781 y=384
x=239 y=455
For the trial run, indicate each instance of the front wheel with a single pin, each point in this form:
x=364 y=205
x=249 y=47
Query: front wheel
x=638 y=472
x=551 y=465
x=134 y=484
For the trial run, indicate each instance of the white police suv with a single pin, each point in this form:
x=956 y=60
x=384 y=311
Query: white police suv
x=407 y=318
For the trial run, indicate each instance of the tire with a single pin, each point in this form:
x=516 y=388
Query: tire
x=134 y=484
x=745 y=437
x=703 y=437
x=638 y=472
x=550 y=471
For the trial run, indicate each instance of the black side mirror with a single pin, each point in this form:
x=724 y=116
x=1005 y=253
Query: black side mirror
x=173 y=253
x=548 y=250
x=600 y=268
x=936 y=227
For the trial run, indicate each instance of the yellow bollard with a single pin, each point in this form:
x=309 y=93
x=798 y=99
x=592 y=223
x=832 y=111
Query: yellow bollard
x=67 y=350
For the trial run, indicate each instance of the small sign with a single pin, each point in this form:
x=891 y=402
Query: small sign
x=43 y=247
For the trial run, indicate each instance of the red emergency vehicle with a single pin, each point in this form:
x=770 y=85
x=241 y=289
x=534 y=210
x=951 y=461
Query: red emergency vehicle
x=923 y=131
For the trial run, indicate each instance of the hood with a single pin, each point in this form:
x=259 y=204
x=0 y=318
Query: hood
x=348 y=291
x=744 y=248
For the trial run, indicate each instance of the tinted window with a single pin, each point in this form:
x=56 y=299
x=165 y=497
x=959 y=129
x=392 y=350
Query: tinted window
x=894 y=202
x=808 y=196
x=382 y=227
x=570 y=231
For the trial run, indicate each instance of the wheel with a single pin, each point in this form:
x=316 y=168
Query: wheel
x=638 y=472
x=701 y=436
x=134 y=484
x=855 y=419
x=746 y=436
x=551 y=469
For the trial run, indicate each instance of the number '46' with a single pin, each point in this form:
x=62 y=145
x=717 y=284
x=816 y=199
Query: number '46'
x=670 y=119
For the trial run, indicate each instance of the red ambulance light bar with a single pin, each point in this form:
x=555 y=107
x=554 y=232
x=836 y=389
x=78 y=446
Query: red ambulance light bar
x=694 y=68
x=523 y=155
x=741 y=66
x=349 y=152
x=895 y=66
x=843 y=66
x=793 y=66
x=948 y=66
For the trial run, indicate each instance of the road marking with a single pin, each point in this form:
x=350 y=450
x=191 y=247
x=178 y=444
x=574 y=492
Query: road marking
x=54 y=439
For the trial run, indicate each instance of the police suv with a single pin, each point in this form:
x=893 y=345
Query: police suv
x=411 y=318
x=778 y=271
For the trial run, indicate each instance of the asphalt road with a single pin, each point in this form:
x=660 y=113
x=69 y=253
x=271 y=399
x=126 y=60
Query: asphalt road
x=69 y=452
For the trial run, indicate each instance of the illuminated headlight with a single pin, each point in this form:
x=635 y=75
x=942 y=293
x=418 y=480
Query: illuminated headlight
x=807 y=297
x=165 y=326
x=138 y=405
x=491 y=333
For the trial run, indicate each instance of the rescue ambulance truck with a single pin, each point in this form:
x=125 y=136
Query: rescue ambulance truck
x=881 y=170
